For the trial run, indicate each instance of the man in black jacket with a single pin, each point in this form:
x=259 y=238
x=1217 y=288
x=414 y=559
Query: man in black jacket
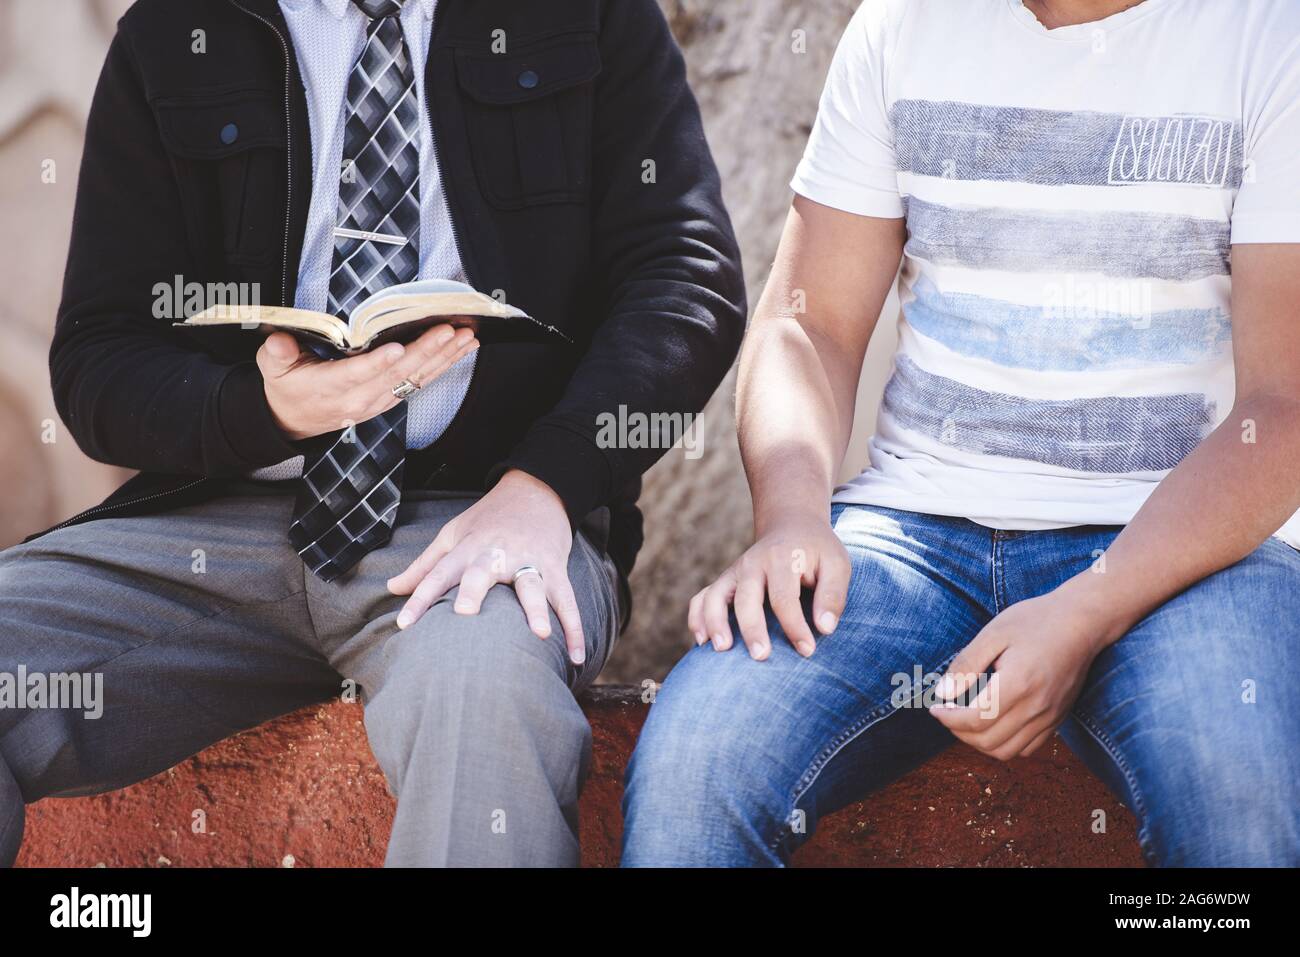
x=303 y=528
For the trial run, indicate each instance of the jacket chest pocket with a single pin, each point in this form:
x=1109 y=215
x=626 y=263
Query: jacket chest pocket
x=528 y=117
x=229 y=153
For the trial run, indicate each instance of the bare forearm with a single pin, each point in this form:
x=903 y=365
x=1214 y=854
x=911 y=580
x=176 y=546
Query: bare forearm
x=794 y=412
x=803 y=354
x=1215 y=508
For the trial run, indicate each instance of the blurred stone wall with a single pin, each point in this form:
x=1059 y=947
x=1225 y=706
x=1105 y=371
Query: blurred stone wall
x=757 y=67
x=50 y=55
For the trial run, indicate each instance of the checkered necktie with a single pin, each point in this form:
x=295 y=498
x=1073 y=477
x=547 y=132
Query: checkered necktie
x=352 y=480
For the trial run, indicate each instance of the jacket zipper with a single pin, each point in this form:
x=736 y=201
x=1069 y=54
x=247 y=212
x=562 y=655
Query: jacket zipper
x=451 y=216
x=288 y=137
x=284 y=272
x=82 y=516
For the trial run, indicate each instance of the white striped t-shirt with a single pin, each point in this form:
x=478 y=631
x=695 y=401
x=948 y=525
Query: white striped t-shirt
x=1071 y=199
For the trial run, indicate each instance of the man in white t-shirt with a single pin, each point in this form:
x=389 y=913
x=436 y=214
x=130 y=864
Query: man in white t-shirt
x=1080 y=512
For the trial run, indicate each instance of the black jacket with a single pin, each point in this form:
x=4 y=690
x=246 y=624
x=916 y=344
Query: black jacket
x=545 y=183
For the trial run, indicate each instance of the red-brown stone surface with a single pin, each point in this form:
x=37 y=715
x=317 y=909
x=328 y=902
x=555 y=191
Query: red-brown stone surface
x=304 y=790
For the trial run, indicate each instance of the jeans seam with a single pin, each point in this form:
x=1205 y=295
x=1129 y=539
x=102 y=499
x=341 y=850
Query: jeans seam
x=809 y=777
x=1113 y=752
x=995 y=552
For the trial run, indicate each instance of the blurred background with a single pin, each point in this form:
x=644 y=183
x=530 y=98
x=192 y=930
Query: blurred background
x=757 y=67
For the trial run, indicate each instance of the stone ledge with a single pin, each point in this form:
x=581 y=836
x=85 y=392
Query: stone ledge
x=304 y=789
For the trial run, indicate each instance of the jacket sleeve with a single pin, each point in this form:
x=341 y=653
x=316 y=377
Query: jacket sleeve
x=128 y=388
x=674 y=299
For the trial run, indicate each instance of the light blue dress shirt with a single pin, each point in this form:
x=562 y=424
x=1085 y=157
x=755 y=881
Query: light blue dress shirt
x=328 y=36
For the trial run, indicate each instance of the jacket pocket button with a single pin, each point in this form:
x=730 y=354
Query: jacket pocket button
x=229 y=133
x=529 y=79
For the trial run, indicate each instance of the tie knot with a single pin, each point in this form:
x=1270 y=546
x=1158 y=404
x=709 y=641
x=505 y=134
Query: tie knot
x=378 y=9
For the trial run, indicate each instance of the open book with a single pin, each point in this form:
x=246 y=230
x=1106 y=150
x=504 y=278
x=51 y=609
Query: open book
x=399 y=313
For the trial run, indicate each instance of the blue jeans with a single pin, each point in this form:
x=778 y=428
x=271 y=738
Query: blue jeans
x=1190 y=718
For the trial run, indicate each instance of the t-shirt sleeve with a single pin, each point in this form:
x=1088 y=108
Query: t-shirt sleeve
x=1267 y=209
x=849 y=162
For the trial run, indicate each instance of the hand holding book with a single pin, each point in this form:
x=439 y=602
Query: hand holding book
x=399 y=313
x=309 y=396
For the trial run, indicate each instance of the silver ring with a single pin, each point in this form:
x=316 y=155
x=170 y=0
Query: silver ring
x=524 y=570
x=405 y=388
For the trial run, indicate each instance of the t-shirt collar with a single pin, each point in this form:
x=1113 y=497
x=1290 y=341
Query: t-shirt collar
x=1084 y=31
